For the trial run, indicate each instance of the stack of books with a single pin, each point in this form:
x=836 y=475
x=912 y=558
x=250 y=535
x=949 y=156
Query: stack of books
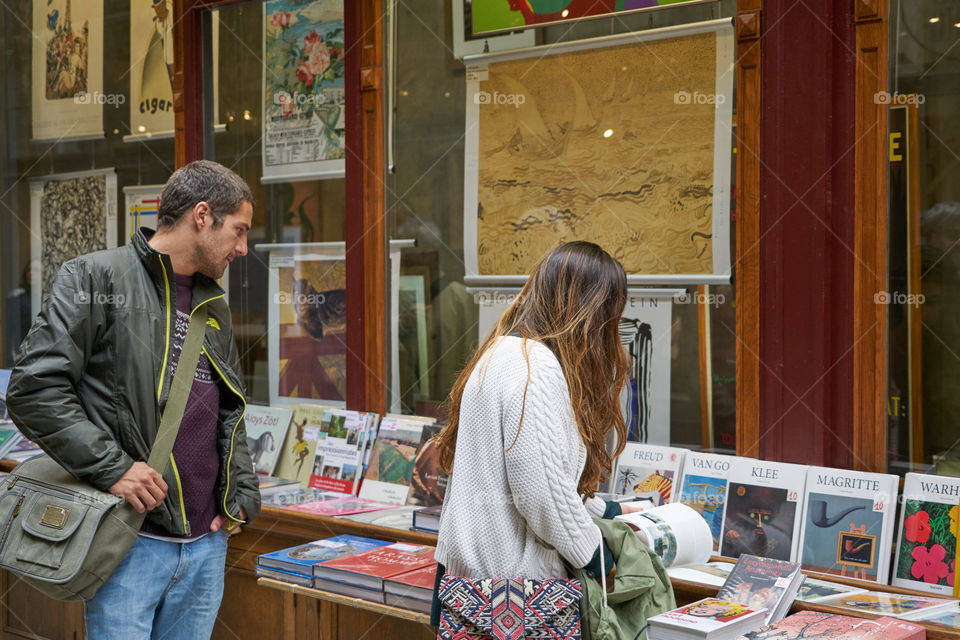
x=362 y=575
x=710 y=618
x=810 y=624
x=412 y=590
x=296 y=564
x=427 y=519
x=763 y=584
x=896 y=605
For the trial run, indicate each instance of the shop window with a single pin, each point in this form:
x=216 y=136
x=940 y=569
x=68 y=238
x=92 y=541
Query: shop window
x=442 y=311
x=924 y=230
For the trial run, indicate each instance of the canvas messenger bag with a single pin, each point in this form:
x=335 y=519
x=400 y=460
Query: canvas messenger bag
x=64 y=537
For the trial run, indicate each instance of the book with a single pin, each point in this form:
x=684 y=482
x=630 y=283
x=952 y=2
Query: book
x=295 y=460
x=266 y=432
x=344 y=589
x=338 y=507
x=295 y=494
x=927 y=544
x=389 y=473
x=648 y=471
x=428 y=519
x=897 y=605
x=829 y=626
x=404 y=602
x=675 y=532
x=301 y=558
x=814 y=590
x=703 y=488
x=847 y=527
x=339 y=452
x=763 y=583
x=417 y=584
x=711 y=573
x=763 y=509
x=428 y=482
x=284 y=576
x=395 y=517
x=950 y=619
x=270 y=485
x=712 y=618
x=370 y=568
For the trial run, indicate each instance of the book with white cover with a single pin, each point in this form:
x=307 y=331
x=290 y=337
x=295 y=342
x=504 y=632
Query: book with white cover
x=703 y=487
x=927 y=544
x=708 y=618
x=266 y=432
x=339 y=452
x=649 y=471
x=848 y=523
x=763 y=509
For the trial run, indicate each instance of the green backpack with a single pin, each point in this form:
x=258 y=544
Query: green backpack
x=641 y=588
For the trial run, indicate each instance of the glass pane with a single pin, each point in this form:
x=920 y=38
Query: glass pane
x=924 y=229
x=439 y=316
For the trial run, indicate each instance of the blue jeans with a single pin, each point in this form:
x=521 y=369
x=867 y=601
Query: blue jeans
x=161 y=590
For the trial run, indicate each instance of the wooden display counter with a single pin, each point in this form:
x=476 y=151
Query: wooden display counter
x=251 y=610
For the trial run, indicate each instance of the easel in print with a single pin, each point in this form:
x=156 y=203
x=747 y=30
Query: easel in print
x=855 y=551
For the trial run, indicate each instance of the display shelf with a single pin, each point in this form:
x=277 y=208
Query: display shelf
x=356 y=603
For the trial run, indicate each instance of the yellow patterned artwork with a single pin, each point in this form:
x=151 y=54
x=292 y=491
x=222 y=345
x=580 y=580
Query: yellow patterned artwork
x=622 y=142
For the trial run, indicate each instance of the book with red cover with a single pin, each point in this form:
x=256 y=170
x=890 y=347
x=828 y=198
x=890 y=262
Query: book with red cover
x=370 y=568
x=828 y=626
x=413 y=584
x=341 y=507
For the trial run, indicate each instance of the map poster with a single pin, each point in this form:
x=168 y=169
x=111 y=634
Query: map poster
x=303 y=90
x=70 y=214
x=142 y=204
x=67 y=73
x=624 y=141
x=646 y=332
x=492 y=16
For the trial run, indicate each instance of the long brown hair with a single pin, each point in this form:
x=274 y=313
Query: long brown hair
x=572 y=303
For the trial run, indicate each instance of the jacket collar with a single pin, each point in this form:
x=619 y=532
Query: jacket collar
x=204 y=287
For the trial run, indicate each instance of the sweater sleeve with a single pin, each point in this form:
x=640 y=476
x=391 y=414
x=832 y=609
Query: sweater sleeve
x=541 y=470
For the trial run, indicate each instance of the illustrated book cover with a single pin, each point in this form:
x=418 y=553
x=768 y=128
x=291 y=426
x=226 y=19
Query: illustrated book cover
x=897 y=605
x=848 y=523
x=266 y=433
x=339 y=507
x=339 y=452
x=390 y=471
x=295 y=461
x=763 y=510
x=707 y=618
x=927 y=540
x=763 y=583
x=703 y=487
x=828 y=626
x=648 y=471
x=370 y=568
x=300 y=559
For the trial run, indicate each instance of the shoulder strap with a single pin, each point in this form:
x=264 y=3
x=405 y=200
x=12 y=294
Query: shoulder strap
x=180 y=388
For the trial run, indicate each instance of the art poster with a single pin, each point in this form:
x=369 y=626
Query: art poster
x=307 y=326
x=67 y=74
x=758 y=521
x=141 y=209
x=303 y=90
x=151 y=66
x=70 y=214
x=842 y=535
x=928 y=545
x=492 y=16
x=624 y=141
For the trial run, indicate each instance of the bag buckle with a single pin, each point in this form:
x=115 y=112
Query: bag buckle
x=54 y=516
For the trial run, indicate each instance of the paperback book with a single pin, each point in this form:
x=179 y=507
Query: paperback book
x=339 y=507
x=828 y=626
x=395 y=517
x=713 y=618
x=905 y=606
x=428 y=482
x=814 y=590
x=390 y=472
x=763 y=583
x=266 y=432
x=302 y=558
x=284 y=576
x=369 y=569
x=648 y=471
x=848 y=523
x=763 y=510
x=295 y=461
x=711 y=573
x=339 y=452
x=703 y=488
x=927 y=546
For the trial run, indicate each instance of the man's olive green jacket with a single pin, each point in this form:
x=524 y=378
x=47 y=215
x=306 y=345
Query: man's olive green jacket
x=92 y=375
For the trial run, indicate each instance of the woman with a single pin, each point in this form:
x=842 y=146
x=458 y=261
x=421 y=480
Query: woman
x=527 y=430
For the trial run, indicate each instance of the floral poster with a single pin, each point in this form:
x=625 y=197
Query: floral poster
x=303 y=90
x=70 y=214
x=67 y=74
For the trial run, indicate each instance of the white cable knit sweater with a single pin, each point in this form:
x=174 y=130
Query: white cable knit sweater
x=515 y=514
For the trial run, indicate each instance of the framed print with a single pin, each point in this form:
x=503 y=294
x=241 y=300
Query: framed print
x=582 y=141
x=67 y=74
x=303 y=90
x=498 y=16
x=141 y=206
x=70 y=214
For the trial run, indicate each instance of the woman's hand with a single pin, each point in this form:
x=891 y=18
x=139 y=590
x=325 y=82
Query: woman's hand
x=632 y=507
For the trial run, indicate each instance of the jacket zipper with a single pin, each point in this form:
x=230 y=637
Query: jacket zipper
x=166 y=336
x=183 y=508
x=232 y=433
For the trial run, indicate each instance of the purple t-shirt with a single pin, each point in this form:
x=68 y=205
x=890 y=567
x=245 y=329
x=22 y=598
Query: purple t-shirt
x=195 y=450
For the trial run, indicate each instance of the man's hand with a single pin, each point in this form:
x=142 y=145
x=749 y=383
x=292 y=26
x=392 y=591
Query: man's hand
x=225 y=523
x=141 y=486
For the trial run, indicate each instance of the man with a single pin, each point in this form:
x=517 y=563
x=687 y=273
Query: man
x=92 y=378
